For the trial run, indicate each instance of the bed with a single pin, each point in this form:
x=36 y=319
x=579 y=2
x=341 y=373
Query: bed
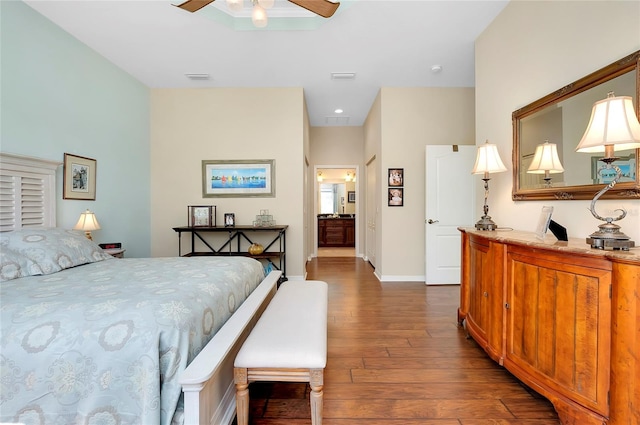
x=87 y=338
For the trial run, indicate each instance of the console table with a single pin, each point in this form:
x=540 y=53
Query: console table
x=560 y=316
x=235 y=241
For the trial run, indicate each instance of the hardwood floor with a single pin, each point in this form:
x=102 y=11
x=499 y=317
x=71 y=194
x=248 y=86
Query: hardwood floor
x=396 y=357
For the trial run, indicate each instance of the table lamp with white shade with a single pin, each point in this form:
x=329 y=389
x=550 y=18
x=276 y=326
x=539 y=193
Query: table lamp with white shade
x=87 y=223
x=613 y=127
x=487 y=161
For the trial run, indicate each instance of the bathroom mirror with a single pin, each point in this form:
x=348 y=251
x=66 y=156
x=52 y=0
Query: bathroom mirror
x=561 y=118
x=332 y=198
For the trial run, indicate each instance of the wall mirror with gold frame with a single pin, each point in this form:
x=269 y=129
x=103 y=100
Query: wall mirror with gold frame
x=561 y=118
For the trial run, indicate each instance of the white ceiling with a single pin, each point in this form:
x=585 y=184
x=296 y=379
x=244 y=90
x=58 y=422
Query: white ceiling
x=386 y=43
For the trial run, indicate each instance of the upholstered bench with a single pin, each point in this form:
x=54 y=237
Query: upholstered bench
x=287 y=344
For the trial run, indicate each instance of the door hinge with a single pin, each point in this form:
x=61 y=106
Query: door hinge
x=455 y=148
x=610 y=290
x=507 y=306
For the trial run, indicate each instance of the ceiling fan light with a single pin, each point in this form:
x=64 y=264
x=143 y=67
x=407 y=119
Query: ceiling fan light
x=235 y=5
x=267 y=4
x=259 y=16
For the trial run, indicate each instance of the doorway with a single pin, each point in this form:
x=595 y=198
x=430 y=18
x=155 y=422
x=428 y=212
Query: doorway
x=335 y=210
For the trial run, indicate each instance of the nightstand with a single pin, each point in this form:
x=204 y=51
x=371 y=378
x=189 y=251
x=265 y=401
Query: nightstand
x=116 y=252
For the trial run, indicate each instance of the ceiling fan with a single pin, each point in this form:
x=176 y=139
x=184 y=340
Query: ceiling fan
x=324 y=8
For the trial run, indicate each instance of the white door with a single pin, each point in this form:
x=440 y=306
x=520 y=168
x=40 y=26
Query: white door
x=371 y=213
x=450 y=203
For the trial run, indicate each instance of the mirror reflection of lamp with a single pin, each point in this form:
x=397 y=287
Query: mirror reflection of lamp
x=546 y=161
x=487 y=161
x=613 y=126
x=87 y=223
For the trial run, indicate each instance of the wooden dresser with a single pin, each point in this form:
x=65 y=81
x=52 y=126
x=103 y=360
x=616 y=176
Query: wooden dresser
x=562 y=317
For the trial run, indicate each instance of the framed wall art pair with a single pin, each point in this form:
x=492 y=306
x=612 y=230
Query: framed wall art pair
x=395 y=192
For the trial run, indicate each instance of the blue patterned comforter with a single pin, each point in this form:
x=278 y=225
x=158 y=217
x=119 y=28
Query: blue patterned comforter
x=105 y=343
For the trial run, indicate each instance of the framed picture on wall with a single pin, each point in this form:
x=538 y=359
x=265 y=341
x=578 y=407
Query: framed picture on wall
x=238 y=178
x=396 y=196
x=396 y=177
x=351 y=197
x=79 y=177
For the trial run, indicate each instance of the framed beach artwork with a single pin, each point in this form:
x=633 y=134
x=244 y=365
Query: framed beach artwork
x=238 y=178
x=79 y=177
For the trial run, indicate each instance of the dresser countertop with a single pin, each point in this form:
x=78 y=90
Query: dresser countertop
x=573 y=245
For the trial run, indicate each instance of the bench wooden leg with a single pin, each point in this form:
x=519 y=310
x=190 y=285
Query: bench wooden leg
x=242 y=395
x=316 y=382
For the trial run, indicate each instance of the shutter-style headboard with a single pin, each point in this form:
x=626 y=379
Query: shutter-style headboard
x=27 y=192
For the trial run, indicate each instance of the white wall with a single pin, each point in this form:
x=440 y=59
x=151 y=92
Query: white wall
x=191 y=125
x=530 y=50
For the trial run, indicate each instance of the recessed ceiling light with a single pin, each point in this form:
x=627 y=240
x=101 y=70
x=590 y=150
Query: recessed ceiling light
x=338 y=111
x=436 y=68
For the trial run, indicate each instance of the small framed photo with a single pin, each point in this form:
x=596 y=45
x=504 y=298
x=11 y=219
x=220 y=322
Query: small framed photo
x=79 y=177
x=229 y=219
x=351 y=197
x=202 y=215
x=396 y=177
x=396 y=197
x=543 y=222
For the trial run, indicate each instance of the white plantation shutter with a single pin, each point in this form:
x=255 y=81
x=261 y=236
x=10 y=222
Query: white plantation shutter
x=27 y=192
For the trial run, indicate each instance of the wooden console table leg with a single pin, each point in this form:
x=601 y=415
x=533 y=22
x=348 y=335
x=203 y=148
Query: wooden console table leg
x=316 y=382
x=242 y=395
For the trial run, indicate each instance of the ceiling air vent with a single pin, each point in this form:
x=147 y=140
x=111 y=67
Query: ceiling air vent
x=193 y=76
x=343 y=75
x=333 y=120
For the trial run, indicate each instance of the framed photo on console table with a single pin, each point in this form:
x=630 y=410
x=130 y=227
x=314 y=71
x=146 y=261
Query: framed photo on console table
x=202 y=215
x=238 y=178
x=79 y=177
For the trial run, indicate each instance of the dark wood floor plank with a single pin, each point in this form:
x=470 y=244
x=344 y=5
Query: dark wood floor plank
x=397 y=357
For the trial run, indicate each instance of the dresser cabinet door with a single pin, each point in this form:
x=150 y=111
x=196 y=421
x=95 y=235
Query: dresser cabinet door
x=479 y=283
x=558 y=327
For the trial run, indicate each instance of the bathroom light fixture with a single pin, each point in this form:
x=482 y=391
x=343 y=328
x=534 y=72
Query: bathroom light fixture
x=546 y=161
x=487 y=161
x=338 y=111
x=87 y=223
x=613 y=126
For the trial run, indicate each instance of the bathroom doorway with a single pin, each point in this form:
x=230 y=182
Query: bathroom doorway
x=335 y=211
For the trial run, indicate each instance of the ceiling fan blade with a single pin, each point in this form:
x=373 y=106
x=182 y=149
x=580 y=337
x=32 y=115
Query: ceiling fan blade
x=324 y=8
x=194 y=5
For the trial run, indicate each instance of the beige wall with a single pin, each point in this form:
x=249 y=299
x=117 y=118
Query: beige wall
x=530 y=50
x=412 y=118
x=191 y=125
x=338 y=146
